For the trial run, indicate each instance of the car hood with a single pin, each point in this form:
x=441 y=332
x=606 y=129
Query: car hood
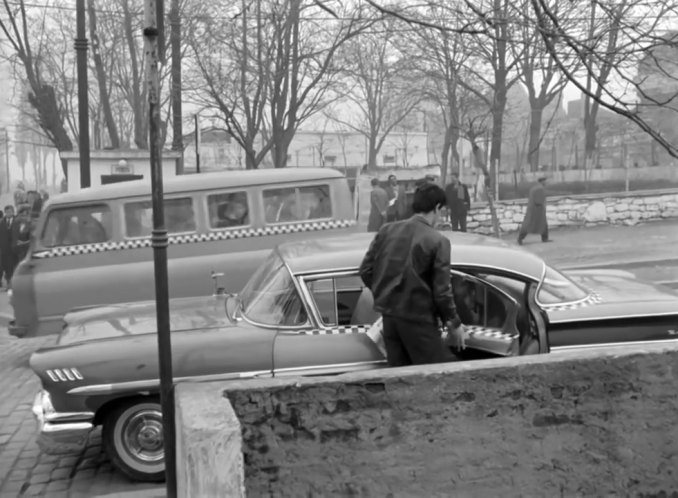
x=130 y=319
x=617 y=294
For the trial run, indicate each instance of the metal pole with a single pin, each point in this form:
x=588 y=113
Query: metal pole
x=83 y=99
x=197 y=144
x=9 y=185
x=159 y=242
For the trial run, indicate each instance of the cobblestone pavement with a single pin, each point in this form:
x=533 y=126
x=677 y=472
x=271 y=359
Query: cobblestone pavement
x=24 y=470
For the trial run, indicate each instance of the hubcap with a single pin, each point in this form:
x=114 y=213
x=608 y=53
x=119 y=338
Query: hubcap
x=142 y=435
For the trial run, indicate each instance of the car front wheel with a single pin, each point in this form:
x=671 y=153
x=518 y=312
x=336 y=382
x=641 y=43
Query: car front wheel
x=133 y=438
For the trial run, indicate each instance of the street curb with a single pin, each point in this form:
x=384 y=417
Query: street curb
x=634 y=262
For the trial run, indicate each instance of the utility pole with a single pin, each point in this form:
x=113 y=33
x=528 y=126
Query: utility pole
x=153 y=12
x=83 y=99
x=175 y=42
x=197 y=144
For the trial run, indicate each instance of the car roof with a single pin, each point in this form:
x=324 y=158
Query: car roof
x=468 y=250
x=196 y=182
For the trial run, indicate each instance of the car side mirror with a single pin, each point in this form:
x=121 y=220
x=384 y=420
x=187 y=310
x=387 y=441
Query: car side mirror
x=231 y=305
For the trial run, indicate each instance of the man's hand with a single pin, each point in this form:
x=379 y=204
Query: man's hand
x=456 y=336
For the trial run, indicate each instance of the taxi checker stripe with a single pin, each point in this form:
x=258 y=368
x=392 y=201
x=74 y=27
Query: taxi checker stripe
x=348 y=329
x=593 y=298
x=193 y=238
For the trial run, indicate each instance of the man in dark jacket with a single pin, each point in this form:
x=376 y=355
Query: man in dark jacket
x=6 y=244
x=407 y=268
x=458 y=203
x=378 y=207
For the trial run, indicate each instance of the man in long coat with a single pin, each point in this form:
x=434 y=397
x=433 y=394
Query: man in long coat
x=535 y=216
x=397 y=200
x=378 y=207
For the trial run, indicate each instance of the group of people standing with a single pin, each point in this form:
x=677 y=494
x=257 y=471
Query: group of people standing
x=16 y=223
x=389 y=203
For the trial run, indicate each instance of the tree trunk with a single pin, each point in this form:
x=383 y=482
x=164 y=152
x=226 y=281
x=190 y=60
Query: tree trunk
x=138 y=102
x=480 y=164
x=372 y=153
x=535 y=136
x=497 y=127
x=104 y=98
x=445 y=156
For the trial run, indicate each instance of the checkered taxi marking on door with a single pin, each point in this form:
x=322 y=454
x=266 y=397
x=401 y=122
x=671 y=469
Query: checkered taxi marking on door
x=195 y=238
x=593 y=298
x=348 y=329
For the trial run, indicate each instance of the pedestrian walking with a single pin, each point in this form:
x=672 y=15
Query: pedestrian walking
x=397 y=201
x=535 y=215
x=378 y=207
x=6 y=253
x=458 y=203
x=407 y=268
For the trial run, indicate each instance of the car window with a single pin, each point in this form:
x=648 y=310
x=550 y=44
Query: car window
x=290 y=204
x=271 y=298
x=179 y=217
x=342 y=300
x=556 y=288
x=477 y=303
x=228 y=210
x=77 y=225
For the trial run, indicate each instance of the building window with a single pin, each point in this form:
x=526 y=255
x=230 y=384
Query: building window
x=389 y=159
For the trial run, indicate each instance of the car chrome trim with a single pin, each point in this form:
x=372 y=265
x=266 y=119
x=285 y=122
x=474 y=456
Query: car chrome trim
x=588 y=296
x=610 y=317
x=337 y=368
x=64 y=374
x=155 y=383
x=612 y=344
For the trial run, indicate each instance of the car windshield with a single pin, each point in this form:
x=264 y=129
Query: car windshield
x=271 y=298
x=556 y=288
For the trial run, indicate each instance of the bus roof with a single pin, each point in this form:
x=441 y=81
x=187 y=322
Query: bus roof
x=198 y=182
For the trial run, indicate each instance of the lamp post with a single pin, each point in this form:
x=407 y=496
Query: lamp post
x=153 y=11
x=83 y=104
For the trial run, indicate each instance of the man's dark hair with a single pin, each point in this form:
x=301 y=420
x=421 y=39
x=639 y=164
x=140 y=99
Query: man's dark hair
x=9 y=206
x=392 y=177
x=454 y=174
x=374 y=182
x=427 y=198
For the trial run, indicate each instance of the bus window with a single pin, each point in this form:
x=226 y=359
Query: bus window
x=179 y=217
x=77 y=225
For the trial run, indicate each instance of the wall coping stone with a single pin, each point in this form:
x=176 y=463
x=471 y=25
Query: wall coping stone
x=592 y=196
x=572 y=356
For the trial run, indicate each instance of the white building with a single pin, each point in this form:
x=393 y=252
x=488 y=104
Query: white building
x=313 y=148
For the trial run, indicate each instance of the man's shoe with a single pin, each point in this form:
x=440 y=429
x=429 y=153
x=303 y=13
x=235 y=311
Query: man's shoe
x=547 y=240
x=520 y=242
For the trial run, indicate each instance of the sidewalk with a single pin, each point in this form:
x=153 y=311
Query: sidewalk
x=607 y=246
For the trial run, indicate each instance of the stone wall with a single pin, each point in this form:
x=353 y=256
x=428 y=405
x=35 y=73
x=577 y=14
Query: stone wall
x=582 y=210
x=571 y=424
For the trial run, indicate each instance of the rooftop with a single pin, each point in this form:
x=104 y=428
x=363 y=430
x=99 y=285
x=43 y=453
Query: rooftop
x=197 y=182
x=468 y=250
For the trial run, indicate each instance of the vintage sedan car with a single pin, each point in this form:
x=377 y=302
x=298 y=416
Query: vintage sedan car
x=306 y=312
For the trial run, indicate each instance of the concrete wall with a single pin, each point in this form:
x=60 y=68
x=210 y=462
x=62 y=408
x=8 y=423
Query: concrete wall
x=583 y=210
x=569 y=424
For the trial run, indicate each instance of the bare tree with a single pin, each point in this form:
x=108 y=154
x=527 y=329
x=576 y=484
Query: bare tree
x=16 y=26
x=539 y=73
x=267 y=67
x=102 y=77
x=618 y=37
x=377 y=87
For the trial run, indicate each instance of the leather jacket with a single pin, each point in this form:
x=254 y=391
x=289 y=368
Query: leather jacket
x=407 y=268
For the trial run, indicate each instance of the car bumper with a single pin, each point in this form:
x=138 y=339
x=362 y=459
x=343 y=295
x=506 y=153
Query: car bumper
x=58 y=432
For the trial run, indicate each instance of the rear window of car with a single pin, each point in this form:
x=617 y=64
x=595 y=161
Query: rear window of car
x=290 y=204
x=556 y=288
x=228 y=210
x=77 y=225
x=179 y=217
